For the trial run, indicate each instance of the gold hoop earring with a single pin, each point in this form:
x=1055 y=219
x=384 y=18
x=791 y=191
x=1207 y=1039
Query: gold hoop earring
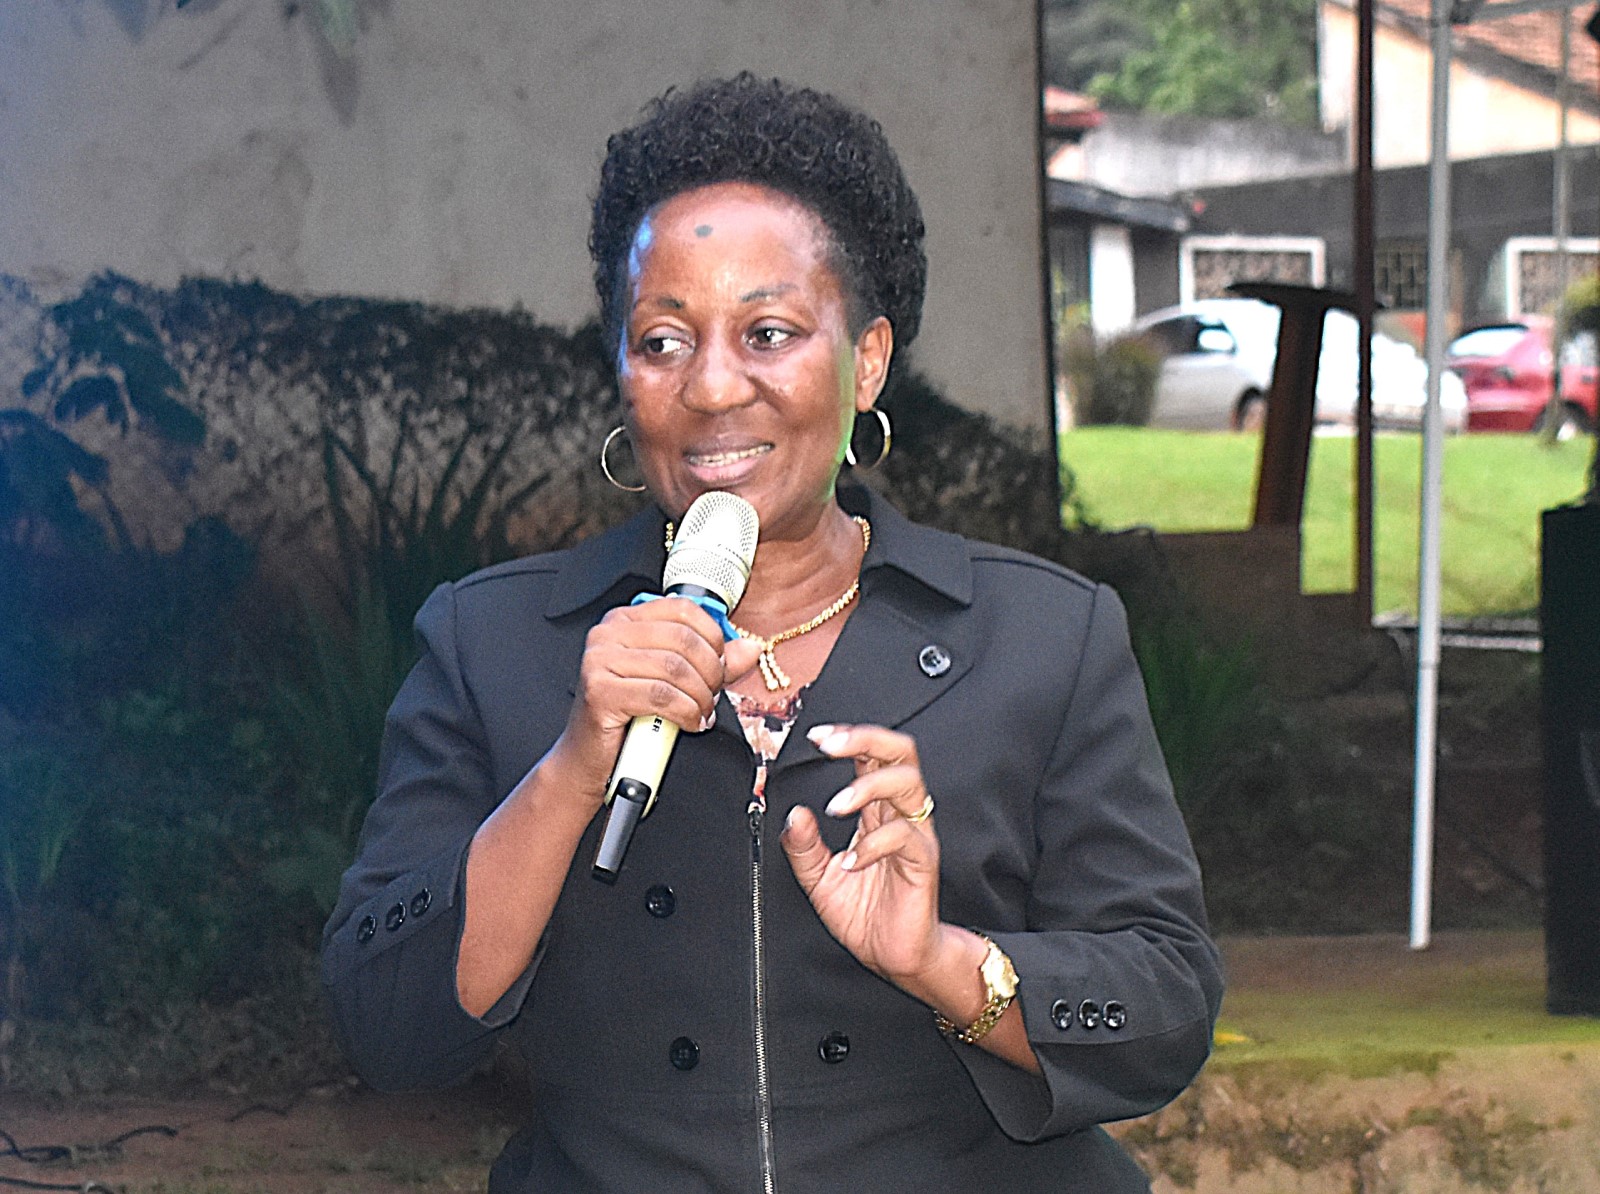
x=883 y=452
x=605 y=466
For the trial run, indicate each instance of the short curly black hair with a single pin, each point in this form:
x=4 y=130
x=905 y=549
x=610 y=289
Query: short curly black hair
x=802 y=143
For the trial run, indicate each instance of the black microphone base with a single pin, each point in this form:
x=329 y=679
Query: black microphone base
x=621 y=820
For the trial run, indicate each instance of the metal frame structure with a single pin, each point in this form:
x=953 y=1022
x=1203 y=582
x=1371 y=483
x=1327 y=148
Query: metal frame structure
x=1445 y=13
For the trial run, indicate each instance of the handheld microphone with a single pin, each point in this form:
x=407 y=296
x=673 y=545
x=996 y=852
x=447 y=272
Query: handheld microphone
x=710 y=564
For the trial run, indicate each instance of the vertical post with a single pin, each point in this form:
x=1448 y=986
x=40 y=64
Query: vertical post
x=1428 y=588
x=1561 y=215
x=1291 y=406
x=1569 y=614
x=1364 y=244
x=1046 y=289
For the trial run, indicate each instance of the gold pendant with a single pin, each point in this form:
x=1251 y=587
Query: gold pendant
x=774 y=675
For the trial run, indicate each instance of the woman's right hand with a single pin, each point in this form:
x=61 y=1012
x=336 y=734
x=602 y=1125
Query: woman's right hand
x=663 y=658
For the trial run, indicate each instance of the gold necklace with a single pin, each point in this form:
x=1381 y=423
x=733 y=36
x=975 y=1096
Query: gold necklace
x=773 y=675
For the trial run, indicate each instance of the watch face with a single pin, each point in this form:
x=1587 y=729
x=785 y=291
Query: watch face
x=998 y=973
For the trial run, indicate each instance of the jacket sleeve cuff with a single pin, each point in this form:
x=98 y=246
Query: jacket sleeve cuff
x=1107 y=1053
x=389 y=970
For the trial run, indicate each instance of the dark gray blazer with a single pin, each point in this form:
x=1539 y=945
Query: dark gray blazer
x=639 y=1016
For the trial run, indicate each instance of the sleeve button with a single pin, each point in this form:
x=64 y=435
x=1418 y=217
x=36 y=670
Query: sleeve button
x=395 y=917
x=1115 y=1015
x=421 y=902
x=366 y=929
x=1089 y=1014
x=1061 y=1014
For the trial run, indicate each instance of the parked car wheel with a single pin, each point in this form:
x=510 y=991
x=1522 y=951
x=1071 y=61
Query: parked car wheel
x=1252 y=412
x=1571 y=421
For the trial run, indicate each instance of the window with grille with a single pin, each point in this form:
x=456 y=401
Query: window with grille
x=1530 y=270
x=1400 y=275
x=1539 y=276
x=1210 y=264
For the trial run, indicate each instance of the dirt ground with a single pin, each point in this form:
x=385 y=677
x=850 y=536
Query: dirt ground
x=1520 y=1120
x=1386 y=1071
x=337 y=1140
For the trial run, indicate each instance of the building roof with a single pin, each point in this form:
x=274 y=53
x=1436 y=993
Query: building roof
x=1531 y=37
x=1526 y=46
x=1067 y=112
x=1066 y=198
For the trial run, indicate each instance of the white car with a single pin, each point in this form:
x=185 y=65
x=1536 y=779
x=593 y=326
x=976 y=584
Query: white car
x=1217 y=366
x=1210 y=378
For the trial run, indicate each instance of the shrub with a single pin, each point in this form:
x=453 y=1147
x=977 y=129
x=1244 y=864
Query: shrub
x=1113 y=382
x=41 y=809
x=1205 y=698
x=1579 y=311
x=964 y=472
x=1278 y=823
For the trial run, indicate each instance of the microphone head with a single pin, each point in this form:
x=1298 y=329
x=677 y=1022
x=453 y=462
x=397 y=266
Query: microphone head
x=715 y=546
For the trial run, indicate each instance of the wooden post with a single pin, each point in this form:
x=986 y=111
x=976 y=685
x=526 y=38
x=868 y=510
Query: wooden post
x=1363 y=276
x=1292 y=398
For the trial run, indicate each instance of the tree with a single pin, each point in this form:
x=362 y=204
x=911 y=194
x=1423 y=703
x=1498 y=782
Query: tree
x=1216 y=58
x=1084 y=39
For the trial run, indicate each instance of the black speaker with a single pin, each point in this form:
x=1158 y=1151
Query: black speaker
x=1570 y=617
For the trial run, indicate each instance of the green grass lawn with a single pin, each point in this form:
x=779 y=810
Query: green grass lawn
x=1494 y=488
x=1355 y=1001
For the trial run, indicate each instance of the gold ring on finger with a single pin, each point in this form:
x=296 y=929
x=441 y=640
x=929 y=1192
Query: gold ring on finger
x=923 y=813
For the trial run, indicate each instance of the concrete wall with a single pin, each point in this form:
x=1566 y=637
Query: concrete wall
x=1112 y=303
x=450 y=155
x=1491 y=201
x=1164 y=155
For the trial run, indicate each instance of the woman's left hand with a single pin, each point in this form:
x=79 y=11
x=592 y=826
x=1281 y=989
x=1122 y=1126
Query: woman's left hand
x=880 y=895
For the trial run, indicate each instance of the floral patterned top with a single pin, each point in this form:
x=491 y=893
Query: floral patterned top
x=766 y=723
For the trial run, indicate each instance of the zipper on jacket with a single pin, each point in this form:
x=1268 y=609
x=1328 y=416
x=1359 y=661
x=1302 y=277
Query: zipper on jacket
x=763 y=1082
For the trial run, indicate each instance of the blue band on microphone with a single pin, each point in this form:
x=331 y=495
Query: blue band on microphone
x=718 y=611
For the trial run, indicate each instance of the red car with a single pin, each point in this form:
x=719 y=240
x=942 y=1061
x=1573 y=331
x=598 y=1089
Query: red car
x=1506 y=370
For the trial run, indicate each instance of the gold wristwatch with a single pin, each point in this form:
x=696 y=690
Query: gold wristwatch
x=1000 y=983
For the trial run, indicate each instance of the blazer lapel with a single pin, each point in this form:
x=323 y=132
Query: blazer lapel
x=886 y=667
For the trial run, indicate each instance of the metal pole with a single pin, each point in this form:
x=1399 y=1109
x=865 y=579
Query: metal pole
x=1428 y=589
x=1046 y=260
x=1561 y=217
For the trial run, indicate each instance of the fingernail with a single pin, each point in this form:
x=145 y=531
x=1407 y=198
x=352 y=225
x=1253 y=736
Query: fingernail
x=818 y=733
x=840 y=804
x=831 y=743
x=794 y=815
x=709 y=720
x=848 y=861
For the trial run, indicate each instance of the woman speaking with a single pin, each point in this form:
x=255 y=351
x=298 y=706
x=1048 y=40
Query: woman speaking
x=916 y=910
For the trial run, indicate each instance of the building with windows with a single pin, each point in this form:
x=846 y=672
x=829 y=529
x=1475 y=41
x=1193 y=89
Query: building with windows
x=1148 y=212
